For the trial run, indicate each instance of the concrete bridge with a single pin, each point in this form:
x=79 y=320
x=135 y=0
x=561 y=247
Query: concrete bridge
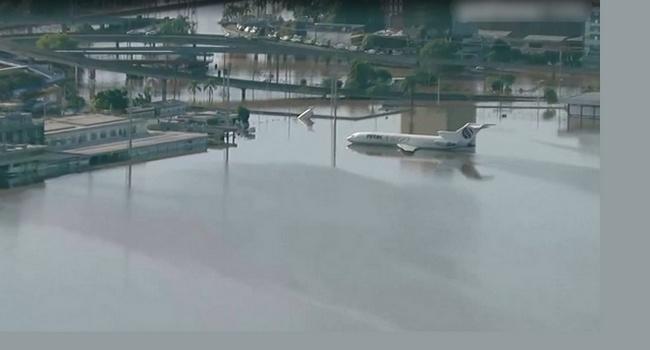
x=242 y=84
x=191 y=44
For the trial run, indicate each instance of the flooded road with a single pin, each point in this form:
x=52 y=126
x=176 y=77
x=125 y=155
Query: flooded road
x=286 y=232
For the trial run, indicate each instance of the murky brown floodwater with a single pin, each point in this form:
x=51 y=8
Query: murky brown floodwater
x=276 y=238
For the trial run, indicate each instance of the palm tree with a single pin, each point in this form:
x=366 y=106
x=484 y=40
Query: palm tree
x=408 y=87
x=193 y=88
x=210 y=86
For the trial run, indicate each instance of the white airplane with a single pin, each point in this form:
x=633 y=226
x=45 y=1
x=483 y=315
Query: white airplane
x=463 y=138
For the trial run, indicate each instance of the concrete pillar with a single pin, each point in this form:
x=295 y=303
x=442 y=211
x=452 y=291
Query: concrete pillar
x=164 y=89
x=117 y=44
x=243 y=94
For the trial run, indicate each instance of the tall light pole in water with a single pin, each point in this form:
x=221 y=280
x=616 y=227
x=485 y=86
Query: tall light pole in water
x=130 y=136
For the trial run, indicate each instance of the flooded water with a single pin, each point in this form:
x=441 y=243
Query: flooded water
x=286 y=232
x=295 y=70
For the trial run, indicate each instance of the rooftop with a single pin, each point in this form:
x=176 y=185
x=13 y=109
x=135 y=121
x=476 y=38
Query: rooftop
x=54 y=125
x=167 y=103
x=589 y=98
x=493 y=33
x=154 y=139
x=554 y=38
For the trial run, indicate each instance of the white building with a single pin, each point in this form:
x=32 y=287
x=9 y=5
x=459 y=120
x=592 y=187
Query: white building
x=88 y=129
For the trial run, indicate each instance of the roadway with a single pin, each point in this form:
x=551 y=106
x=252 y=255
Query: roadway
x=221 y=43
x=244 y=84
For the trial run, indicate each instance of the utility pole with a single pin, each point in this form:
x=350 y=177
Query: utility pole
x=334 y=107
x=130 y=135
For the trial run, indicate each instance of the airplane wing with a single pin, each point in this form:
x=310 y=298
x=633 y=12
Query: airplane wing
x=406 y=148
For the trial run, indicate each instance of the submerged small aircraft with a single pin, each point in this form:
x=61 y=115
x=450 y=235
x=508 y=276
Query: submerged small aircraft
x=305 y=118
x=463 y=138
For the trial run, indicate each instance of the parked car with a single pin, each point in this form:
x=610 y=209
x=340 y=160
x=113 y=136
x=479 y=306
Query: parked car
x=285 y=38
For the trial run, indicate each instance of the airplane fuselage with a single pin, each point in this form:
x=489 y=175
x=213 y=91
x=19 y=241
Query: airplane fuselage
x=395 y=139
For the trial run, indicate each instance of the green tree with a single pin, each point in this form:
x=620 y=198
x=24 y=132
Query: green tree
x=177 y=26
x=243 y=114
x=143 y=98
x=57 y=41
x=383 y=76
x=378 y=89
x=361 y=75
x=501 y=51
x=210 y=85
x=193 y=88
x=234 y=11
x=17 y=80
x=114 y=99
x=550 y=95
x=437 y=49
x=409 y=85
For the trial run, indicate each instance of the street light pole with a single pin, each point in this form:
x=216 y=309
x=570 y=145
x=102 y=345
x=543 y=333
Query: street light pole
x=130 y=135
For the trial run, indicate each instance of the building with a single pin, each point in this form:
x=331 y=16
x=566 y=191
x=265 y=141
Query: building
x=586 y=105
x=154 y=146
x=393 y=10
x=142 y=112
x=88 y=129
x=169 y=108
x=158 y=109
x=520 y=18
x=25 y=164
x=20 y=128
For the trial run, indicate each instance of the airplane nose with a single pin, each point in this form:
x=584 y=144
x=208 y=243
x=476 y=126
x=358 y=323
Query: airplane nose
x=350 y=138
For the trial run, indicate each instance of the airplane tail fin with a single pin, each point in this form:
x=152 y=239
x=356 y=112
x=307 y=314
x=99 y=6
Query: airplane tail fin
x=468 y=131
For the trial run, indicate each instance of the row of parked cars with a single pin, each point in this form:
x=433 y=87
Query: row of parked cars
x=299 y=39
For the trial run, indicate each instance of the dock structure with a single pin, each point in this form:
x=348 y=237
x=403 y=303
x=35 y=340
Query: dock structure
x=155 y=146
x=26 y=164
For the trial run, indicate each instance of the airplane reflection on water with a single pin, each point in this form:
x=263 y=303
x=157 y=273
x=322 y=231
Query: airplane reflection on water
x=440 y=160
